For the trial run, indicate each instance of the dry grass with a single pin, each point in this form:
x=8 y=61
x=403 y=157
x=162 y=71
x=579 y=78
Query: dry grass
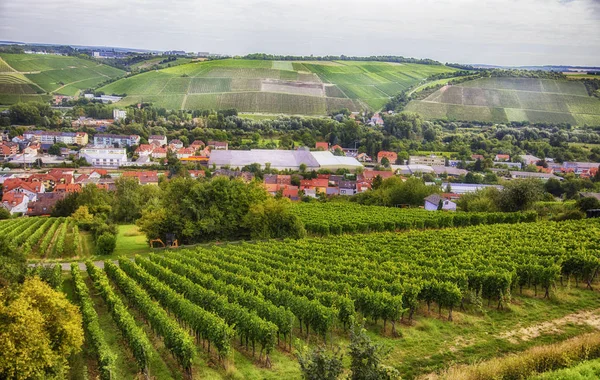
x=528 y=363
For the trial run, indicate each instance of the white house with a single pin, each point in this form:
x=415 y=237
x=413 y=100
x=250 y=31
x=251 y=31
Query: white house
x=104 y=157
x=432 y=203
x=119 y=114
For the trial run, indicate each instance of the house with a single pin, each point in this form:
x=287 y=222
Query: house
x=476 y=157
x=391 y=156
x=336 y=147
x=144 y=177
x=18 y=185
x=369 y=175
x=376 y=120
x=318 y=185
x=157 y=140
x=347 y=187
x=15 y=202
x=44 y=204
x=431 y=160
x=363 y=157
x=502 y=158
x=116 y=140
x=8 y=149
x=159 y=152
x=185 y=152
x=175 y=144
x=542 y=176
x=119 y=114
x=590 y=195
x=322 y=145
x=145 y=149
x=218 y=145
x=291 y=194
x=528 y=159
x=449 y=171
x=32 y=149
x=197 y=145
x=465 y=188
x=107 y=157
x=432 y=203
x=67 y=188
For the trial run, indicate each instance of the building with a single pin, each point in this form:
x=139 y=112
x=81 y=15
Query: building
x=464 y=188
x=431 y=160
x=528 y=159
x=432 y=203
x=363 y=157
x=376 y=120
x=321 y=145
x=8 y=148
x=277 y=159
x=218 y=145
x=119 y=114
x=50 y=137
x=542 y=176
x=502 y=158
x=175 y=144
x=412 y=169
x=282 y=159
x=15 y=202
x=449 y=171
x=116 y=140
x=104 y=157
x=44 y=204
x=157 y=140
x=391 y=156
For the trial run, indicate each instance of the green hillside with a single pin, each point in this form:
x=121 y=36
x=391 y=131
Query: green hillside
x=512 y=99
x=310 y=88
x=25 y=77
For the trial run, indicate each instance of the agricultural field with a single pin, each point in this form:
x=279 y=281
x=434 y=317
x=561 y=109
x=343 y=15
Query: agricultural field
x=455 y=295
x=25 y=77
x=340 y=218
x=303 y=88
x=501 y=100
x=45 y=238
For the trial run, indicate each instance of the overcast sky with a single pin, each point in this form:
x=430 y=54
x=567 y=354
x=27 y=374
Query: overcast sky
x=504 y=32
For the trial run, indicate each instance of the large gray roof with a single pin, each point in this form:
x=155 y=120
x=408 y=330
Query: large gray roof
x=279 y=159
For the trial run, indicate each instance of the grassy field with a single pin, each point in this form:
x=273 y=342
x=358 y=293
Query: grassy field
x=34 y=77
x=302 y=88
x=501 y=100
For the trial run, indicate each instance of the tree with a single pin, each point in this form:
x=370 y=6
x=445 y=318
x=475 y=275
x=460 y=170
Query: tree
x=13 y=263
x=338 y=152
x=273 y=219
x=318 y=364
x=377 y=181
x=588 y=203
x=366 y=358
x=127 y=204
x=40 y=330
x=106 y=243
x=385 y=162
x=4 y=213
x=520 y=195
x=54 y=150
x=554 y=187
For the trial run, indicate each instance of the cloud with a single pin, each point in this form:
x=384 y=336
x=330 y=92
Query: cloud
x=492 y=31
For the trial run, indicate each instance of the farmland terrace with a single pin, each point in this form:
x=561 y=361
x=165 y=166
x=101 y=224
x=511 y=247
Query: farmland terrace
x=501 y=100
x=305 y=88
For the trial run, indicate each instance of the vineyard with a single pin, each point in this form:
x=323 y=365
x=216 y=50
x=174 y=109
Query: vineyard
x=254 y=299
x=44 y=237
x=314 y=88
x=501 y=100
x=338 y=218
x=37 y=73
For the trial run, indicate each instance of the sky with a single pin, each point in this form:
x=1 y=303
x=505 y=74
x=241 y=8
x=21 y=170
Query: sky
x=500 y=32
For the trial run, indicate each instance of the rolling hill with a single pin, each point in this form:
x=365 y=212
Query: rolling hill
x=308 y=88
x=502 y=100
x=34 y=77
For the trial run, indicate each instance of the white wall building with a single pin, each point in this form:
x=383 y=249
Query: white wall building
x=104 y=157
x=119 y=114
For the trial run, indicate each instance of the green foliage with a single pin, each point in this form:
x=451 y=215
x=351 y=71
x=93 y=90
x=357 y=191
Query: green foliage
x=41 y=329
x=106 y=243
x=588 y=203
x=273 y=218
x=4 y=213
x=13 y=263
x=366 y=358
x=318 y=364
x=127 y=202
x=394 y=192
x=520 y=195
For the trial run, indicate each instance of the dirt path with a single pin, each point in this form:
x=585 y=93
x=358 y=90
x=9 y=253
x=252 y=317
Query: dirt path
x=588 y=317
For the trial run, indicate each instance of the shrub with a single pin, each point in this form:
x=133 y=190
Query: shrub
x=106 y=243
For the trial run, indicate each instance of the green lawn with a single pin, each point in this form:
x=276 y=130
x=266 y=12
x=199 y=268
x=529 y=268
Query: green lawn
x=130 y=241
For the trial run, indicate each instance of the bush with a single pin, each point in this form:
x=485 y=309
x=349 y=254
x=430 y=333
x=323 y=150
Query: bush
x=106 y=243
x=4 y=213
